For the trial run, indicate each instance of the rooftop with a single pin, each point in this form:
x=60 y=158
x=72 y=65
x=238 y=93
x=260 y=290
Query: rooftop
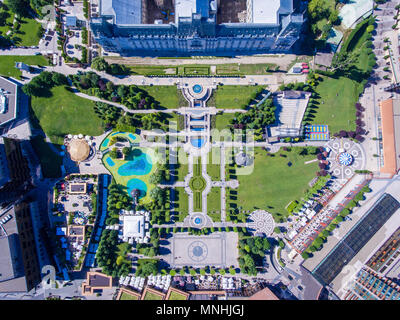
x=9 y=92
x=266 y=11
x=133 y=226
x=11 y=264
x=78 y=149
x=124 y=12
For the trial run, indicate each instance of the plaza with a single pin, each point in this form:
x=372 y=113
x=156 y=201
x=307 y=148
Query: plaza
x=218 y=250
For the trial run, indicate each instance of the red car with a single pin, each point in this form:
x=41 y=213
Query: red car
x=305 y=71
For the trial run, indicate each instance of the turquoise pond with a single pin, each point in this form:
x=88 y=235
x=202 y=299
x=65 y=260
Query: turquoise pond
x=132 y=136
x=197 y=142
x=140 y=166
x=110 y=162
x=137 y=184
x=105 y=143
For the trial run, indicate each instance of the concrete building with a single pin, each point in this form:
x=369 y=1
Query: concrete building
x=369 y=285
x=19 y=266
x=15 y=176
x=8 y=101
x=197 y=27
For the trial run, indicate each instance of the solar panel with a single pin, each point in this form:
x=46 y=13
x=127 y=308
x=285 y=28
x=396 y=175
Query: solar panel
x=356 y=239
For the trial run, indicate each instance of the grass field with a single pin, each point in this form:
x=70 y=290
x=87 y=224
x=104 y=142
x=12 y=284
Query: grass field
x=201 y=69
x=213 y=166
x=273 y=183
x=340 y=94
x=50 y=162
x=182 y=203
x=234 y=97
x=222 y=120
x=245 y=69
x=125 y=296
x=339 y=97
x=176 y=296
x=7 y=64
x=152 y=296
x=214 y=204
x=167 y=96
x=66 y=113
x=28 y=33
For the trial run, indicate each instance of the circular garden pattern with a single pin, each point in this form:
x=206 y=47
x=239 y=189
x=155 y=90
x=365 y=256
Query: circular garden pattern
x=197 y=184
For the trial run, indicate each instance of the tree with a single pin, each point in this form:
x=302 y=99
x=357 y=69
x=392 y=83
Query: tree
x=305 y=255
x=20 y=7
x=113 y=153
x=59 y=79
x=99 y=64
x=126 y=151
x=370 y=28
x=316 y=8
x=344 y=61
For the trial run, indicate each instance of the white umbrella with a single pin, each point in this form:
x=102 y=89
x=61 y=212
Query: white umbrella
x=70 y=136
x=80 y=136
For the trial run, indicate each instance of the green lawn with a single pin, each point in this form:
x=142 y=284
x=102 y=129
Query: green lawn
x=9 y=20
x=234 y=97
x=126 y=296
x=213 y=166
x=176 y=296
x=245 y=69
x=222 y=120
x=183 y=164
x=28 y=33
x=273 y=184
x=167 y=96
x=7 y=64
x=214 y=204
x=50 y=162
x=65 y=113
x=337 y=98
x=152 y=296
x=182 y=202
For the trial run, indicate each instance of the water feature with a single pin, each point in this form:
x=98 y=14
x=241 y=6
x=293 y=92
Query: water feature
x=197 y=88
x=137 y=184
x=197 y=128
x=139 y=166
x=132 y=136
x=110 y=162
x=197 y=142
x=105 y=143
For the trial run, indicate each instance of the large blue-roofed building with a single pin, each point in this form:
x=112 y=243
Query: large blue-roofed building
x=197 y=27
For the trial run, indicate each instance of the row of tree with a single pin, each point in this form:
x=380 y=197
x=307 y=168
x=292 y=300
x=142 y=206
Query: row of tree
x=111 y=257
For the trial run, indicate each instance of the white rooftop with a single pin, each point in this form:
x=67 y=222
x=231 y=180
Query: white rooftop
x=266 y=11
x=133 y=226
